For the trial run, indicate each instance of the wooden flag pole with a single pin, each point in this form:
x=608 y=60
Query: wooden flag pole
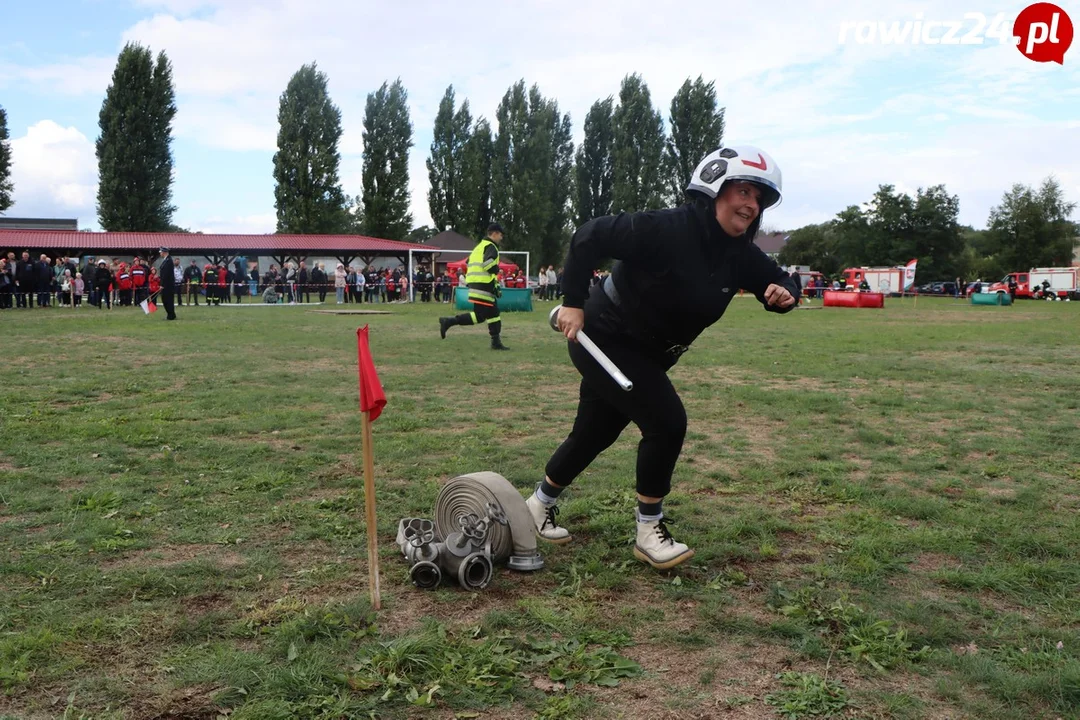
x=369 y=507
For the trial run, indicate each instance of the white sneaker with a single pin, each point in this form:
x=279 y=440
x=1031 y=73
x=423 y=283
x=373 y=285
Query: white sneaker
x=544 y=519
x=656 y=546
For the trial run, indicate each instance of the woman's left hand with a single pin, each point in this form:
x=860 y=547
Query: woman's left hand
x=778 y=296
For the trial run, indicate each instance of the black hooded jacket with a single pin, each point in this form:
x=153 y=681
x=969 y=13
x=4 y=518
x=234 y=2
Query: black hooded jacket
x=676 y=269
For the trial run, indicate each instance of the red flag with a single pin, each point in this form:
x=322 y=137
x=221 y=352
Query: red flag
x=372 y=398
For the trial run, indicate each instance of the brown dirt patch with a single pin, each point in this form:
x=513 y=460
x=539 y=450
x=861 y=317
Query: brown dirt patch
x=862 y=467
x=207 y=602
x=319 y=494
x=190 y=703
x=931 y=562
x=323 y=363
x=762 y=435
x=718 y=374
x=69 y=484
x=167 y=555
x=920 y=582
x=313 y=553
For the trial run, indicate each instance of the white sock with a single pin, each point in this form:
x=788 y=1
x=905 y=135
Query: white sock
x=543 y=497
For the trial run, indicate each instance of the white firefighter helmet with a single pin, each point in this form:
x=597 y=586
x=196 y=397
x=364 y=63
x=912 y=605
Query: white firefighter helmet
x=743 y=162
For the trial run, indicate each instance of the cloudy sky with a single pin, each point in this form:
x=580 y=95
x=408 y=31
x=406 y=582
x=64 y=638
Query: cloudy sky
x=839 y=117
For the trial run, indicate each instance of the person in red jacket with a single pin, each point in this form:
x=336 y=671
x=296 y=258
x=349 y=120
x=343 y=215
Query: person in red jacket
x=123 y=283
x=139 y=276
x=223 y=282
x=154 y=282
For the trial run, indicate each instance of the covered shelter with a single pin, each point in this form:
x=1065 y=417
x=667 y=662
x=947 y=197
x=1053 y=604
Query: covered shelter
x=216 y=248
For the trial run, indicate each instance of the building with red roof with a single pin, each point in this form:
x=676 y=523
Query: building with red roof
x=214 y=247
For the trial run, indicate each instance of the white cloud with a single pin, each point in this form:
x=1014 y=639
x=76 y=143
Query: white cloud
x=55 y=173
x=840 y=119
x=176 y=7
x=977 y=162
x=227 y=126
x=240 y=225
x=87 y=75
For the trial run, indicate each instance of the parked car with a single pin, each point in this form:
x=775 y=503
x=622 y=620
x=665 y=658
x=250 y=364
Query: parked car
x=937 y=288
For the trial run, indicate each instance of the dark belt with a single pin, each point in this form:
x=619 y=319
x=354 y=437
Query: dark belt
x=666 y=347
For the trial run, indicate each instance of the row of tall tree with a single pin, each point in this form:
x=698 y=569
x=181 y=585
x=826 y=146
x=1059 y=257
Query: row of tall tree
x=526 y=173
x=529 y=177
x=6 y=187
x=1029 y=228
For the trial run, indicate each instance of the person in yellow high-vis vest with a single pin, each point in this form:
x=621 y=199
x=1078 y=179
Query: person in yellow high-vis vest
x=482 y=278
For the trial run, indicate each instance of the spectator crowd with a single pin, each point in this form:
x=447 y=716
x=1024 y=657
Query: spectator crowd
x=107 y=282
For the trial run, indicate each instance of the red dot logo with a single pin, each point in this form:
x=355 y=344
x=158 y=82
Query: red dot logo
x=1043 y=32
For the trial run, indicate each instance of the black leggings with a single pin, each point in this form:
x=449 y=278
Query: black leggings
x=605 y=409
x=483 y=314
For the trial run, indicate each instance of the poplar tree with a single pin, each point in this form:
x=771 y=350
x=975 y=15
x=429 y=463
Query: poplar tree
x=593 y=172
x=6 y=186
x=697 y=128
x=387 y=139
x=308 y=194
x=135 y=165
x=638 y=131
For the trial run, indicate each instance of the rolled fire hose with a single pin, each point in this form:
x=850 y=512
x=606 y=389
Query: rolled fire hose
x=470 y=494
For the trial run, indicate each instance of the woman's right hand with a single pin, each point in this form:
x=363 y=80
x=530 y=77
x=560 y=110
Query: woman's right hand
x=570 y=320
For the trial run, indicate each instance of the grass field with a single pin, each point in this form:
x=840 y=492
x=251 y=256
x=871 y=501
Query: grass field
x=884 y=505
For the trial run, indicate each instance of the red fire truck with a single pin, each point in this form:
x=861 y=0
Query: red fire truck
x=1058 y=283
x=888 y=280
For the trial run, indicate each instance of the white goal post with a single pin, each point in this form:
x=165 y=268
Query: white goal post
x=433 y=251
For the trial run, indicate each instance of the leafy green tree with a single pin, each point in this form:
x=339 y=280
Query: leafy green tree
x=6 y=186
x=135 y=164
x=1032 y=228
x=531 y=173
x=474 y=195
x=638 y=149
x=815 y=246
x=308 y=194
x=422 y=234
x=697 y=128
x=593 y=171
x=979 y=261
x=556 y=236
x=895 y=227
x=510 y=164
x=445 y=165
x=387 y=139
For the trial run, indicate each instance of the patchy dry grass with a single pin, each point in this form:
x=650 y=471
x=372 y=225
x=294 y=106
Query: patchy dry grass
x=184 y=531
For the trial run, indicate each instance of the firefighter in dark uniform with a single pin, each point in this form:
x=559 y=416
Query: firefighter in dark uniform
x=192 y=278
x=210 y=282
x=167 y=274
x=677 y=270
x=483 y=282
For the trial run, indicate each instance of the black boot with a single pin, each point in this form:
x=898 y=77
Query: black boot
x=445 y=323
x=496 y=343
